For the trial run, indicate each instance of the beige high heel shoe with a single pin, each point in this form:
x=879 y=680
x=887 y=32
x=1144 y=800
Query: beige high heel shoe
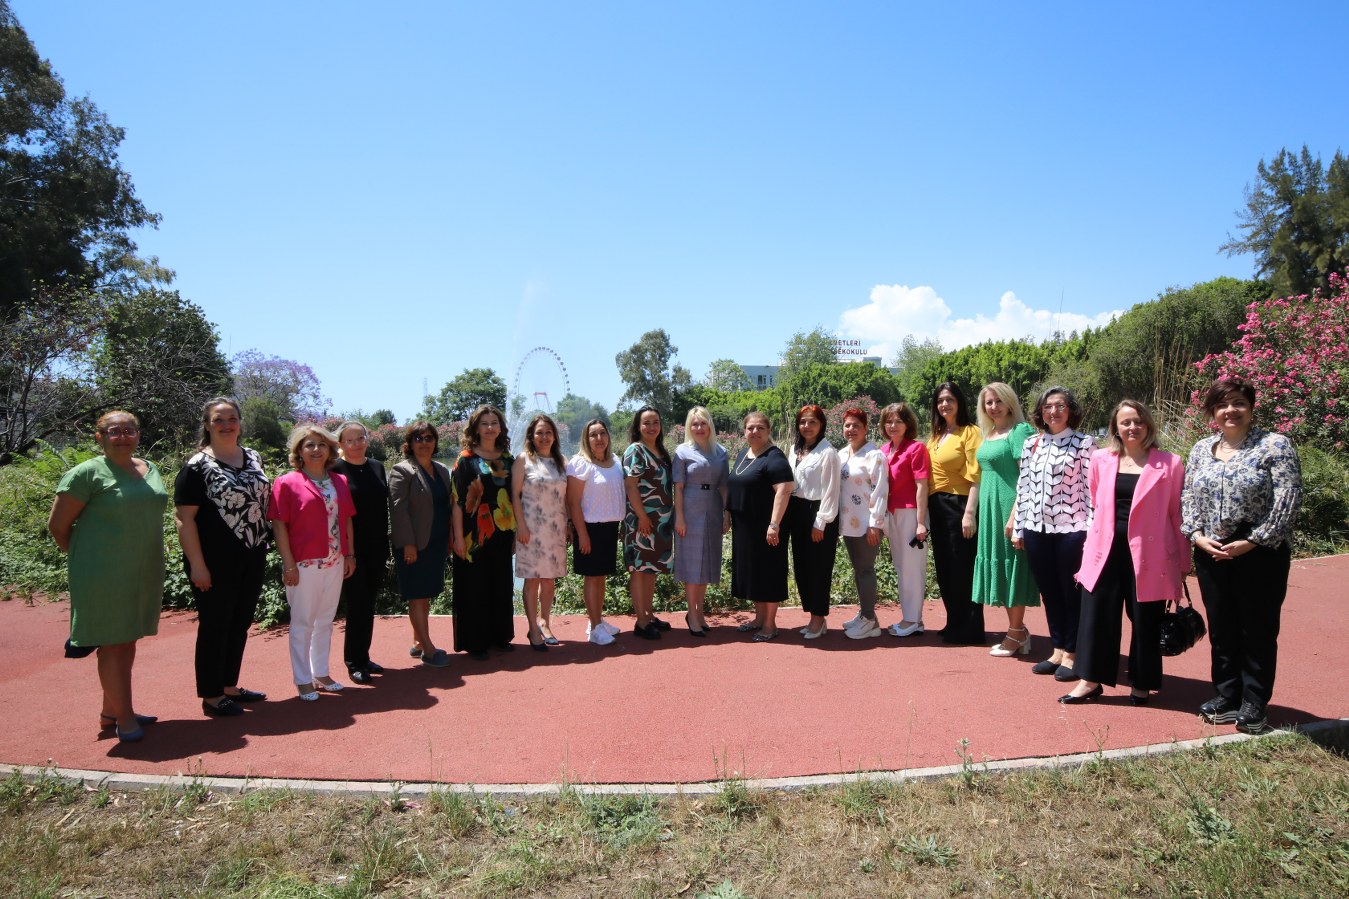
x=1021 y=648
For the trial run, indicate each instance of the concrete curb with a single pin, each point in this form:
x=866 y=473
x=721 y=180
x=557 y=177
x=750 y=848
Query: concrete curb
x=1332 y=733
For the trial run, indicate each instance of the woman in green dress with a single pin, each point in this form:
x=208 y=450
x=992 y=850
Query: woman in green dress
x=109 y=516
x=1002 y=576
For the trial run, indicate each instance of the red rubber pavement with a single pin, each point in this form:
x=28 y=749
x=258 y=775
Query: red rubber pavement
x=677 y=710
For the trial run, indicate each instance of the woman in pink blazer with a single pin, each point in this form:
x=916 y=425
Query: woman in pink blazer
x=1134 y=557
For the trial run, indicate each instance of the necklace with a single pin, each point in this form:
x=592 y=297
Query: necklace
x=743 y=467
x=317 y=481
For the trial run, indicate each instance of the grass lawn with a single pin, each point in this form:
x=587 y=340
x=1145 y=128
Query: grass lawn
x=1263 y=817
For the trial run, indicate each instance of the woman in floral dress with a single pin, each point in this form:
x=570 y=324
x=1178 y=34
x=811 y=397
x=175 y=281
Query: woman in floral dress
x=648 y=527
x=539 y=491
x=482 y=531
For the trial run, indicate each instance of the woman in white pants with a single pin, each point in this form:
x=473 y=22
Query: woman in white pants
x=311 y=511
x=906 y=513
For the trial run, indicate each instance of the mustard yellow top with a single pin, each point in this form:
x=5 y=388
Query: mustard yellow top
x=954 y=468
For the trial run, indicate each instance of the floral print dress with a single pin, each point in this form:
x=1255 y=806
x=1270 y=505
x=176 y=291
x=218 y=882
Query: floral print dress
x=653 y=552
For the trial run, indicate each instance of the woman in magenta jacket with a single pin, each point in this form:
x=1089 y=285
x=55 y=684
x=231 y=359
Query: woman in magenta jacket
x=311 y=512
x=1135 y=556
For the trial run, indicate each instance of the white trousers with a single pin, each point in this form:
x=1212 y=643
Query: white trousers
x=910 y=562
x=313 y=603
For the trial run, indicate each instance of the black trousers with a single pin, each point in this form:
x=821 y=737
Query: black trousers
x=359 y=593
x=224 y=615
x=1054 y=559
x=1098 y=633
x=484 y=595
x=812 y=563
x=1244 y=599
x=953 y=558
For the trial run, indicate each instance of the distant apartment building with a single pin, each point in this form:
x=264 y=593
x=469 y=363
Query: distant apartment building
x=761 y=377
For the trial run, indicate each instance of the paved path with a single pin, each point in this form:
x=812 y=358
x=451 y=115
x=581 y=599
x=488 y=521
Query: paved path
x=677 y=710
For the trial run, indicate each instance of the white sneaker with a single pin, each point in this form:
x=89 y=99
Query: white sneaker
x=609 y=628
x=867 y=628
x=599 y=636
x=897 y=630
x=853 y=621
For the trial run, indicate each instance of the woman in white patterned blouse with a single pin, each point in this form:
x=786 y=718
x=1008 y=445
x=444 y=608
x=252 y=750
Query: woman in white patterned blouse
x=1053 y=512
x=1243 y=488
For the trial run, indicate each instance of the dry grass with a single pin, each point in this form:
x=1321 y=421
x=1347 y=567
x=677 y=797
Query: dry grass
x=1268 y=817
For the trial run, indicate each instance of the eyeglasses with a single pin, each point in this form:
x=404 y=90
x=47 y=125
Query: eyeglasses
x=125 y=431
x=424 y=438
x=1054 y=407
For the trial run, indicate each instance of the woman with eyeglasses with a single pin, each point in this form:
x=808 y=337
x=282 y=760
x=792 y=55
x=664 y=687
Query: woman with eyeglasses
x=370 y=493
x=109 y=516
x=1053 y=512
x=311 y=512
x=220 y=508
x=483 y=528
x=420 y=494
x=908 y=470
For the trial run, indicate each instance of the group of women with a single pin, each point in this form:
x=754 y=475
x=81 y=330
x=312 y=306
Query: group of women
x=1016 y=513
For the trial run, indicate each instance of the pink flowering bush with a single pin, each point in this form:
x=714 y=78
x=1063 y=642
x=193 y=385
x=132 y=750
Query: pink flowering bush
x=834 y=420
x=1295 y=352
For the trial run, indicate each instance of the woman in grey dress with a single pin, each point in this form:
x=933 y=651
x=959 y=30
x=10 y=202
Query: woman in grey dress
x=701 y=516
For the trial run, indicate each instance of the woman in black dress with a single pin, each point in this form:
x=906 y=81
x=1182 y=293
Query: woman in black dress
x=419 y=513
x=759 y=487
x=484 y=537
x=370 y=492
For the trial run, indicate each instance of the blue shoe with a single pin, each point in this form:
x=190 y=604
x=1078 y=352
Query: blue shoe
x=108 y=722
x=129 y=736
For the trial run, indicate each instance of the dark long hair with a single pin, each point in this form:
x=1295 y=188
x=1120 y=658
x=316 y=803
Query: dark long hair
x=799 y=442
x=963 y=419
x=556 y=455
x=635 y=432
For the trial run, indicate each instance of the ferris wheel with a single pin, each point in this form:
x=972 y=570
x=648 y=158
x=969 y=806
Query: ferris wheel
x=540 y=381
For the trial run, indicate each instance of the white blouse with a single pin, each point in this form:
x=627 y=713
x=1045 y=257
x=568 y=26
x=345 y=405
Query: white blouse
x=817 y=478
x=866 y=489
x=603 y=498
x=1051 y=489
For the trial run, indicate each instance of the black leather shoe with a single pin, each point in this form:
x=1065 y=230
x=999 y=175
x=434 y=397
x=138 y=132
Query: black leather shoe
x=1251 y=719
x=650 y=632
x=661 y=625
x=226 y=708
x=247 y=696
x=359 y=676
x=1219 y=710
x=374 y=668
x=1065 y=673
x=1045 y=667
x=1090 y=696
x=1135 y=699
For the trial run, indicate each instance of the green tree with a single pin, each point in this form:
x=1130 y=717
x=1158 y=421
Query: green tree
x=910 y=360
x=805 y=348
x=66 y=205
x=471 y=388
x=571 y=414
x=727 y=376
x=1296 y=222
x=829 y=383
x=649 y=370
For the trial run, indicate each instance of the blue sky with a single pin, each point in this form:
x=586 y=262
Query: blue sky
x=392 y=193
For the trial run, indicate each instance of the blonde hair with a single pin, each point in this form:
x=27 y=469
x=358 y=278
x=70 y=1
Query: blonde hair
x=699 y=413
x=1009 y=399
x=298 y=436
x=585 y=441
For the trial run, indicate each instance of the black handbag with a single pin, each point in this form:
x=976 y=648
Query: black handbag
x=1182 y=625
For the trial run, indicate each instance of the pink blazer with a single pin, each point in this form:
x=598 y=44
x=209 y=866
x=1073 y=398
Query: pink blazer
x=297 y=502
x=1161 y=554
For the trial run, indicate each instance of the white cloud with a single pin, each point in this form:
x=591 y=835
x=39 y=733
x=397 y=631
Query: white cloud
x=894 y=311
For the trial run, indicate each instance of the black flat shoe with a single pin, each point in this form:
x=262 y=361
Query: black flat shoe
x=661 y=625
x=1045 y=667
x=650 y=632
x=1135 y=699
x=1065 y=673
x=360 y=676
x=374 y=668
x=247 y=696
x=1090 y=696
x=226 y=708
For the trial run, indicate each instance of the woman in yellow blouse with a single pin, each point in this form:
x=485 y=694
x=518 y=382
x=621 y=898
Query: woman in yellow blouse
x=953 y=511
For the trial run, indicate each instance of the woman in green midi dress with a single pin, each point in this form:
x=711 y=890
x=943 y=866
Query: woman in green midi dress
x=109 y=515
x=1002 y=575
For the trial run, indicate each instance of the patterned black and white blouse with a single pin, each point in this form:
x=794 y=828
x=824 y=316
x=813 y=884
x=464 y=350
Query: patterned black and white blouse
x=1255 y=495
x=231 y=502
x=1051 y=489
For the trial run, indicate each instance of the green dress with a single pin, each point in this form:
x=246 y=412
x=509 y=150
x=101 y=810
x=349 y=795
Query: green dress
x=1002 y=576
x=116 y=553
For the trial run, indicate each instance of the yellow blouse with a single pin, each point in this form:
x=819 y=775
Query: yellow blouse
x=954 y=468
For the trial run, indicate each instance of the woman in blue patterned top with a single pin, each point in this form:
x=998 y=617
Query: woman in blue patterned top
x=1243 y=488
